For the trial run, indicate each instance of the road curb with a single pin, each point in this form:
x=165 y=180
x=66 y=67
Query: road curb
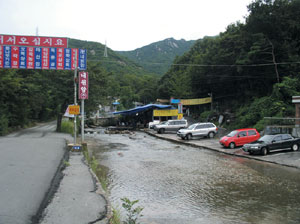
x=55 y=182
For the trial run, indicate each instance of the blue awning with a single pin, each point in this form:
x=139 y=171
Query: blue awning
x=143 y=108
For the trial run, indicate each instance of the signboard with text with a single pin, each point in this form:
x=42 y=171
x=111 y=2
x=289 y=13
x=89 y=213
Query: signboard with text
x=35 y=41
x=165 y=113
x=83 y=86
x=74 y=109
x=195 y=101
x=42 y=58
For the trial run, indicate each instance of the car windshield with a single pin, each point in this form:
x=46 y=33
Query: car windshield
x=266 y=138
x=164 y=122
x=191 y=127
x=231 y=134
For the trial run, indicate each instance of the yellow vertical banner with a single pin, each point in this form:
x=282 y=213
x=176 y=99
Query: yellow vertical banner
x=180 y=116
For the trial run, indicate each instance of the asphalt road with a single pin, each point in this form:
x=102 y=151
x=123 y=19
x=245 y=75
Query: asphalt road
x=29 y=160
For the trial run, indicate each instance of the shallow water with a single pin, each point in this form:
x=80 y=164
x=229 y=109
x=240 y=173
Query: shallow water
x=179 y=184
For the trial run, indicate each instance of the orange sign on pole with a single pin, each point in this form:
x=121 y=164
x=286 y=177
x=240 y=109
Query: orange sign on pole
x=74 y=109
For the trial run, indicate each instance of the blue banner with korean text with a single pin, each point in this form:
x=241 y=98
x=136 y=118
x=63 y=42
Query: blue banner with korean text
x=42 y=58
x=68 y=58
x=52 y=58
x=23 y=57
x=38 y=58
x=7 y=57
x=82 y=59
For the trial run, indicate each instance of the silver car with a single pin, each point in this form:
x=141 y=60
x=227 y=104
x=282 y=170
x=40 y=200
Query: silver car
x=198 y=130
x=170 y=125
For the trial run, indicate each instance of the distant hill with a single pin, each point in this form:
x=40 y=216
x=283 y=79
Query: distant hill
x=115 y=63
x=157 y=57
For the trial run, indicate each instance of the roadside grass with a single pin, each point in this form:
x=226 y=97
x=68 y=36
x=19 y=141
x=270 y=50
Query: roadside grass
x=67 y=127
x=67 y=163
x=94 y=164
x=116 y=216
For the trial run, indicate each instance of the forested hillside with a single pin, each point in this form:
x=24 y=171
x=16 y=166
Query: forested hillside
x=251 y=69
x=157 y=57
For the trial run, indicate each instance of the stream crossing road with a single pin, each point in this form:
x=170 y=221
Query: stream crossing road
x=29 y=159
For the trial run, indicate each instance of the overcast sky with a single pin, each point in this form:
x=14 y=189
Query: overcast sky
x=123 y=24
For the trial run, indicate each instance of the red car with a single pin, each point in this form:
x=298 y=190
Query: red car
x=239 y=137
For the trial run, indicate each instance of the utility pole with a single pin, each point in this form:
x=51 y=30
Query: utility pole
x=211 y=102
x=105 y=51
x=274 y=60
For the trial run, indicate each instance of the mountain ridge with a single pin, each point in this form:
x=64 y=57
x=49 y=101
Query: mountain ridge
x=157 y=57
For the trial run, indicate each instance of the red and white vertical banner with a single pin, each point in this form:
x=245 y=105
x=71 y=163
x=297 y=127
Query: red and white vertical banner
x=45 y=58
x=1 y=56
x=74 y=59
x=83 y=86
x=14 y=57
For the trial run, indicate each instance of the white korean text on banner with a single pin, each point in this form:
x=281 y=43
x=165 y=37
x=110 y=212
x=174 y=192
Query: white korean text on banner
x=42 y=58
x=15 y=40
x=83 y=86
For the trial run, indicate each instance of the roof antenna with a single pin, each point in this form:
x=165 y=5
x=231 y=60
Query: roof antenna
x=105 y=51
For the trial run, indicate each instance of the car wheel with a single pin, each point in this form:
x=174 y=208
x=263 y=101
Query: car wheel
x=211 y=135
x=189 y=136
x=295 y=147
x=161 y=131
x=232 y=145
x=264 y=151
x=251 y=153
x=182 y=138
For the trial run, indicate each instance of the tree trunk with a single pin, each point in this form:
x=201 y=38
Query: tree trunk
x=58 y=123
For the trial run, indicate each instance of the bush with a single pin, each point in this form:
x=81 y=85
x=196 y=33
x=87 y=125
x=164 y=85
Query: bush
x=133 y=213
x=67 y=127
x=204 y=116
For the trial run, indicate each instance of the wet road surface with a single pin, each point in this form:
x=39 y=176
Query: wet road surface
x=178 y=184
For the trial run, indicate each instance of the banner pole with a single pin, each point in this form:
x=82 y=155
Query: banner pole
x=82 y=121
x=75 y=95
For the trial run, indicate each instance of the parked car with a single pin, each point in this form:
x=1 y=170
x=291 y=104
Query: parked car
x=170 y=125
x=198 y=130
x=153 y=123
x=269 y=143
x=239 y=137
